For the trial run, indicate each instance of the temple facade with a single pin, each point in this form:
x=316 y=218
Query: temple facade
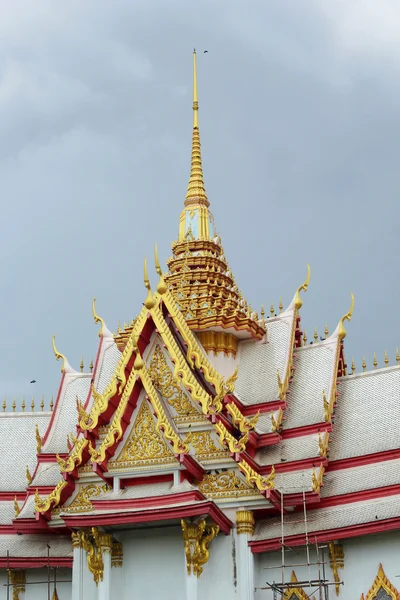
x=209 y=452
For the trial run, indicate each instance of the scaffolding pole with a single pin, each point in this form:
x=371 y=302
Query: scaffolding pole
x=49 y=582
x=321 y=583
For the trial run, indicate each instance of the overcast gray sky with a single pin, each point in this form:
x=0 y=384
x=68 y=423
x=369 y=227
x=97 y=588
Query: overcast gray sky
x=300 y=129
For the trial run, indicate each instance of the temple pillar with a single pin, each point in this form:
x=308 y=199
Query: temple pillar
x=79 y=556
x=116 y=568
x=197 y=537
x=244 y=556
x=191 y=587
x=105 y=588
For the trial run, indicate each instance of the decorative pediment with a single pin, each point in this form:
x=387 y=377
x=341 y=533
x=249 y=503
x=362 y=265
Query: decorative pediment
x=164 y=382
x=382 y=589
x=295 y=593
x=144 y=445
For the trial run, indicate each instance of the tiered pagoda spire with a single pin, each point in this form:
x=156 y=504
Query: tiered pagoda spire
x=199 y=276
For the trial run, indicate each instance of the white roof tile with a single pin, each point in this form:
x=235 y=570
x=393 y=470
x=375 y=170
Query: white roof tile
x=7 y=511
x=333 y=517
x=109 y=361
x=367 y=415
x=28 y=509
x=258 y=362
x=365 y=477
x=35 y=545
x=314 y=369
x=17 y=430
x=75 y=385
x=294 y=482
x=298 y=448
x=47 y=474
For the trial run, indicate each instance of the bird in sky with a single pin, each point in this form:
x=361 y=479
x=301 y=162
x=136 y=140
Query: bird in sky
x=205 y=51
x=33 y=381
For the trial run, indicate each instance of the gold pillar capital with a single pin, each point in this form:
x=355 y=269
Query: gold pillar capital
x=245 y=522
x=117 y=555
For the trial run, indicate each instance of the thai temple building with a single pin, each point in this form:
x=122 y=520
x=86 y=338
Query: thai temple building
x=209 y=452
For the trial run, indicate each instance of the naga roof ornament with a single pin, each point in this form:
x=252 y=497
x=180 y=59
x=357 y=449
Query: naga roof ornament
x=199 y=276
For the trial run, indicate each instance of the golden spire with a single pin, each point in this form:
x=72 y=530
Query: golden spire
x=353 y=367
x=196 y=192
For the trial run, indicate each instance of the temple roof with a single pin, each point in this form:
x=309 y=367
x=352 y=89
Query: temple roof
x=330 y=518
x=368 y=414
x=19 y=451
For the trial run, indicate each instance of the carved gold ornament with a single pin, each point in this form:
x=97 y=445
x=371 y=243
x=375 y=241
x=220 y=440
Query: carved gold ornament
x=90 y=542
x=145 y=444
x=298 y=302
x=381 y=583
x=97 y=319
x=38 y=440
x=317 y=479
x=242 y=422
x=53 y=499
x=224 y=485
x=197 y=538
x=163 y=380
x=323 y=443
x=81 y=502
x=346 y=317
x=336 y=562
x=252 y=477
x=227 y=439
x=58 y=354
x=204 y=446
x=75 y=457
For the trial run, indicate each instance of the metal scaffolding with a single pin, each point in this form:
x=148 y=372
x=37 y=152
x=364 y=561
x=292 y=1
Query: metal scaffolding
x=318 y=583
x=51 y=582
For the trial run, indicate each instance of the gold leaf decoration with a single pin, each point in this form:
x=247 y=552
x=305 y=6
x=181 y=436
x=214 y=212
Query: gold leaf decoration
x=223 y=485
x=81 y=502
x=204 y=445
x=164 y=382
x=145 y=444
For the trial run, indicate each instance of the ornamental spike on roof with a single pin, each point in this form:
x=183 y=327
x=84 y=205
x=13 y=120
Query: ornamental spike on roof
x=199 y=276
x=196 y=192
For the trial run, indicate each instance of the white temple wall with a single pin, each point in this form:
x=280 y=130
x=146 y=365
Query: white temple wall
x=153 y=564
x=362 y=557
x=219 y=577
x=38 y=591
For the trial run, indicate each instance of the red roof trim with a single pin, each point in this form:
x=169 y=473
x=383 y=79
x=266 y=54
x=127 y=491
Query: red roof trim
x=366 y=459
x=11 y=495
x=165 y=500
x=250 y=410
x=153 y=514
x=35 y=563
x=381 y=492
x=294 y=465
x=306 y=430
x=327 y=536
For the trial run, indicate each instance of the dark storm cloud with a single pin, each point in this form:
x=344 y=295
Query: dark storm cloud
x=299 y=120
